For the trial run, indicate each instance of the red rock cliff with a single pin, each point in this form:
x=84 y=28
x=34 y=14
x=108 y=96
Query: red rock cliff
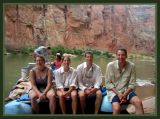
x=105 y=27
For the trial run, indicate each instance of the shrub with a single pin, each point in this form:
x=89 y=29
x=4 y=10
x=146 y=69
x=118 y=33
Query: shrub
x=107 y=54
x=26 y=50
x=58 y=48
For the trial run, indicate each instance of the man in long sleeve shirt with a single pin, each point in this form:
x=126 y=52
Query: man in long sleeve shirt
x=89 y=81
x=120 y=82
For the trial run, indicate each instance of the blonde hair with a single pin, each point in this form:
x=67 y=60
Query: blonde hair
x=66 y=56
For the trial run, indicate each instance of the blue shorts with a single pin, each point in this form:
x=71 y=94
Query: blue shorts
x=116 y=99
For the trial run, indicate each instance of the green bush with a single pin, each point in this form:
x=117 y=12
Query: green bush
x=69 y=51
x=26 y=50
x=58 y=48
x=78 y=51
x=106 y=54
x=61 y=49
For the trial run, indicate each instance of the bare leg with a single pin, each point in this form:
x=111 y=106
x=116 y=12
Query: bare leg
x=138 y=105
x=34 y=104
x=98 y=101
x=116 y=108
x=61 y=101
x=74 y=101
x=82 y=101
x=52 y=101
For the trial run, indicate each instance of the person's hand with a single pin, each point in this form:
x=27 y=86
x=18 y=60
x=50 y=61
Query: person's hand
x=87 y=91
x=120 y=96
x=93 y=90
x=67 y=94
x=123 y=100
x=42 y=96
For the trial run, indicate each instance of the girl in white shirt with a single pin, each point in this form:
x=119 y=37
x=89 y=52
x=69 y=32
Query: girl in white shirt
x=66 y=83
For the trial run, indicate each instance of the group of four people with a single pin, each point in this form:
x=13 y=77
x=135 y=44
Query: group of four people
x=84 y=81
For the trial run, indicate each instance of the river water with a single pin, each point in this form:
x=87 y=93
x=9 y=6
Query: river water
x=145 y=70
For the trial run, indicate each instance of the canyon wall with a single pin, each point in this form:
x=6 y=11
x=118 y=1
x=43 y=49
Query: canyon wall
x=102 y=26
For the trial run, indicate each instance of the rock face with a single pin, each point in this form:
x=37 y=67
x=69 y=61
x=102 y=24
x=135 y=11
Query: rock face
x=106 y=27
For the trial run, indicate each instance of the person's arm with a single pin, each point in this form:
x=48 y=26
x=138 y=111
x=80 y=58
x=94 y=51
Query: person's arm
x=98 y=81
x=73 y=79
x=108 y=77
x=93 y=90
x=73 y=84
x=58 y=79
x=127 y=92
x=132 y=81
x=49 y=83
x=68 y=93
x=119 y=94
x=80 y=79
